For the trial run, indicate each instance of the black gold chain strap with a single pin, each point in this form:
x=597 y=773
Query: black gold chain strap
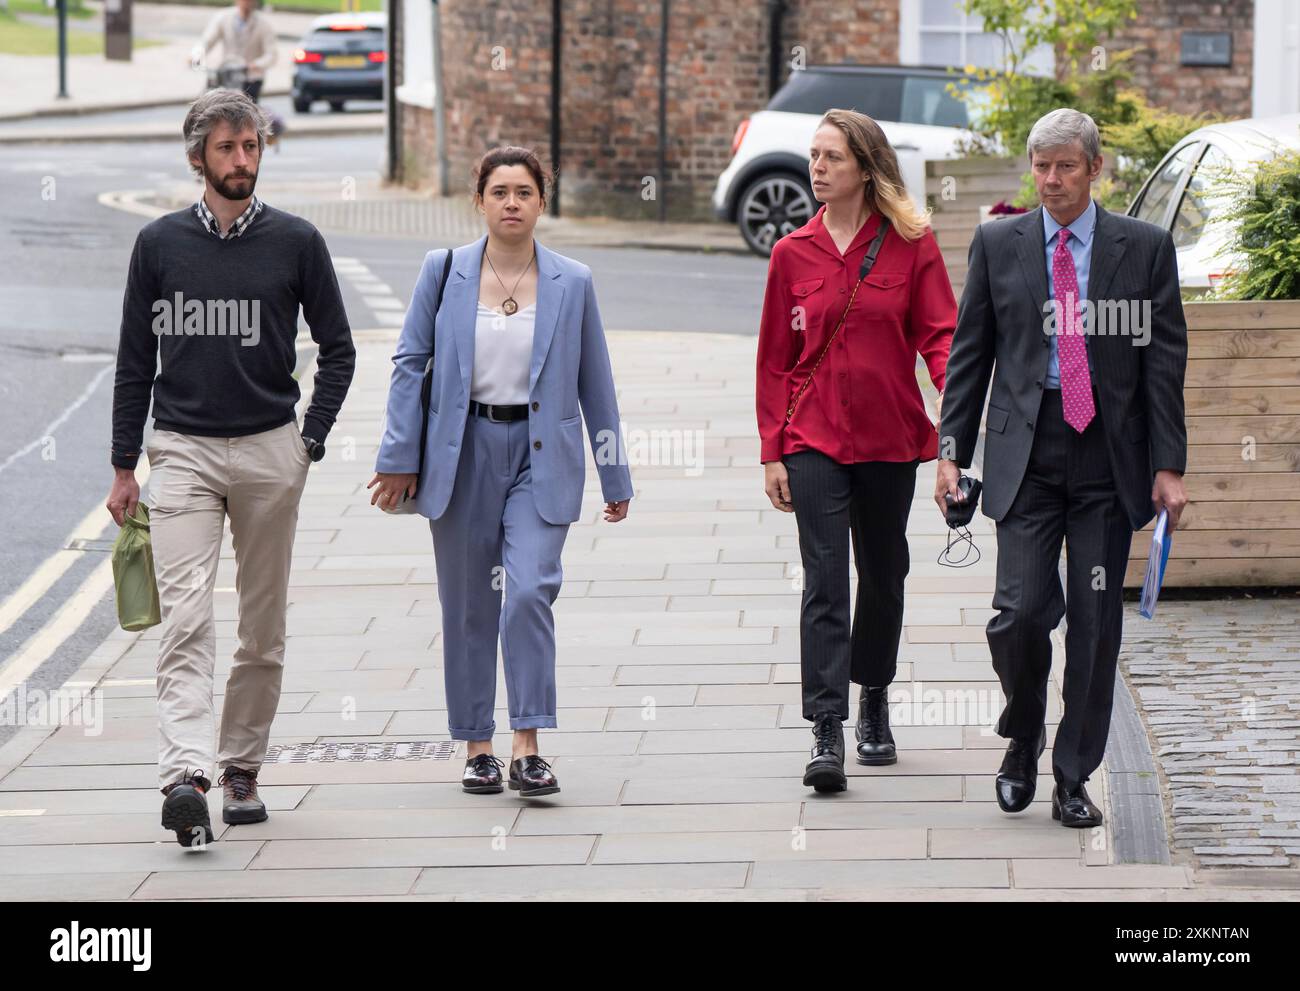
x=868 y=262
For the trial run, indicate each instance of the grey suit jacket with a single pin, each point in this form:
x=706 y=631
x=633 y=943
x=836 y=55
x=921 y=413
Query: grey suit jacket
x=1138 y=361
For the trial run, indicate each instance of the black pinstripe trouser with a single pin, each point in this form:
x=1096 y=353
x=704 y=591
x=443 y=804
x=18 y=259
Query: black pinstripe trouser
x=868 y=502
x=1069 y=493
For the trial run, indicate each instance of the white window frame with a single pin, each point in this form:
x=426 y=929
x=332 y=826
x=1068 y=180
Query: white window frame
x=1275 y=68
x=911 y=29
x=416 y=86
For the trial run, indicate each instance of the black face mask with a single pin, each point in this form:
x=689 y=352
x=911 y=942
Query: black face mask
x=958 y=515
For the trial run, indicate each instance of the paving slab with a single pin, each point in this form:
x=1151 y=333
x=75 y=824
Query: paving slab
x=795 y=845
x=454 y=851
x=295 y=883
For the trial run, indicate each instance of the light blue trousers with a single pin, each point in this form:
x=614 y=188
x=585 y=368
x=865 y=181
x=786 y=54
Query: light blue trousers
x=490 y=530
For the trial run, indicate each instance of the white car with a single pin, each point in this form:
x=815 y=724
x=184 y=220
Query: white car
x=1184 y=193
x=766 y=189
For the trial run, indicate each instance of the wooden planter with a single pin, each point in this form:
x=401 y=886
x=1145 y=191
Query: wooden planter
x=955 y=190
x=1242 y=524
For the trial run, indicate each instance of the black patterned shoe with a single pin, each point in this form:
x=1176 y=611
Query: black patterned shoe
x=482 y=775
x=532 y=777
x=185 y=809
x=1017 y=779
x=1074 y=808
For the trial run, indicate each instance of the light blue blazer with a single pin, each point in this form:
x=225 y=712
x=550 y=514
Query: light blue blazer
x=570 y=369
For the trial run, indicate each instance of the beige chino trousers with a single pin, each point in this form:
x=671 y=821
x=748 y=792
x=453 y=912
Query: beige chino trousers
x=257 y=481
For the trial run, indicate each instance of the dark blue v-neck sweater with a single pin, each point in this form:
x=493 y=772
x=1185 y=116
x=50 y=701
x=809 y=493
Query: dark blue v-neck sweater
x=223 y=317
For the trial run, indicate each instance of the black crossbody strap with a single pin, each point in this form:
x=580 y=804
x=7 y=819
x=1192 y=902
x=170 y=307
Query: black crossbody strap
x=426 y=387
x=868 y=263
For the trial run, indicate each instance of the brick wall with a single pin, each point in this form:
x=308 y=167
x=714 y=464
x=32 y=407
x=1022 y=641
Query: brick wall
x=831 y=33
x=1190 y=89
x=498 y=73
x=716 y=75
x=498 y=77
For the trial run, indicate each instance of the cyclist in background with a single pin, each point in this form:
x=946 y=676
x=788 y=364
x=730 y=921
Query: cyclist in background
x=248 y=47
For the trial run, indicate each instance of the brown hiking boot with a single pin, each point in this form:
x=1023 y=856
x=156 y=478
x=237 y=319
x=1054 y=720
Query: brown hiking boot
x=242 y=805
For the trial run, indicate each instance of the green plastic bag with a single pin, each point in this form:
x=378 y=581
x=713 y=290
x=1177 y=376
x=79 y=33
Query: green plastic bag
x=133 y=576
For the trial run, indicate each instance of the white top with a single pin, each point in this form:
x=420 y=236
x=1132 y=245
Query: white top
x=503 y=352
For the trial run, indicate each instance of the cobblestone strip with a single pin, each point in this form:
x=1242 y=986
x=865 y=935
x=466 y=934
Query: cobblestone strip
x=1218 y=685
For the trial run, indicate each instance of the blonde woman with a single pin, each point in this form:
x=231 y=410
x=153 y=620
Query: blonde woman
x=842 y=422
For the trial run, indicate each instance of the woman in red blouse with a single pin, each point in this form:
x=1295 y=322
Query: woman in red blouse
x=843 y=425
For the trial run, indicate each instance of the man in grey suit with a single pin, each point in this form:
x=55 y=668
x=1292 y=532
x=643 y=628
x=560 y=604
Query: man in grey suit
x=1075 y=312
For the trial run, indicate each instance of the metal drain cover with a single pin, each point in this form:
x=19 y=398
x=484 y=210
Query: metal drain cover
x=311 y=753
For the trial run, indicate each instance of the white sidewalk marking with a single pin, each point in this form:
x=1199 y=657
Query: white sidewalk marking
x=379 y=297
x=128 y=200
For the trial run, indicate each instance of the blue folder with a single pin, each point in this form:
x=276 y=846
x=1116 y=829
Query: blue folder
x=1161 y=541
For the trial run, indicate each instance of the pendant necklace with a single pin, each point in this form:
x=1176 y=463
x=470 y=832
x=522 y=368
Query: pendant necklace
x=509 y=306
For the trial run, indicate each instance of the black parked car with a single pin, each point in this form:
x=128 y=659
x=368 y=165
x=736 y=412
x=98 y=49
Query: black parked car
x=341 y=58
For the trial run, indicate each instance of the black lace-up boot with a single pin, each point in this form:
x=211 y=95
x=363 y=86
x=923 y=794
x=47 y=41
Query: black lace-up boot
x=875 y=741
x=825 y=772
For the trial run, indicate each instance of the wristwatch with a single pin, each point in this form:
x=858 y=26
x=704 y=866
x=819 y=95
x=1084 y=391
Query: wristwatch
x=315 y=449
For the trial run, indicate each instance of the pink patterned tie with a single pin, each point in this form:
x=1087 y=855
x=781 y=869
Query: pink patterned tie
x=1072 y=356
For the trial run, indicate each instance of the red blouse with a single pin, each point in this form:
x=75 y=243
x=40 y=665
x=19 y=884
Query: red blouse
x=864 y=403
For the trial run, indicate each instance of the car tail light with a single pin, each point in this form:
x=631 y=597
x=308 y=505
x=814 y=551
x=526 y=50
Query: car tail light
x=1217 y=277
x=347 y=27
x=378 y=56
x=740 y=135
x=301 y=55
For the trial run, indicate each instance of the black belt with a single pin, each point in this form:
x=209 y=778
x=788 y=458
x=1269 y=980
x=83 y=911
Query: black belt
x=499 y=414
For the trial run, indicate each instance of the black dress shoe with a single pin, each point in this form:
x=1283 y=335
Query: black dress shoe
x=875 y=741
x=825 y=772
x=1074 y=808
x=482 y=775
x=532 y=777
x=1018 y=776
x=185 y=810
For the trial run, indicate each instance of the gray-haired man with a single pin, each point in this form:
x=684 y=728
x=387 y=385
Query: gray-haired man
x=214 y=291
x=1085 y=440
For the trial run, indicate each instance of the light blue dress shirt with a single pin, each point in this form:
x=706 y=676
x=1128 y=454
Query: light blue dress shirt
x=1080 y=248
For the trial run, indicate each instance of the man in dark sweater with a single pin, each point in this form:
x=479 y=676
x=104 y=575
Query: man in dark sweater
x=214 y=291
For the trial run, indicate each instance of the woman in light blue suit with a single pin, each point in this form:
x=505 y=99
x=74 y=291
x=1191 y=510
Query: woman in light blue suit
x=519 y=361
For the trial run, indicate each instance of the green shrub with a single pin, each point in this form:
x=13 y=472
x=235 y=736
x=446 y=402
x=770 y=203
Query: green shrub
x=1264 y=216
x=1137 y=146
x=1004 y=104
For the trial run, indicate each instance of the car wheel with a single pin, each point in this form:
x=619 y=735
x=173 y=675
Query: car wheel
x=771 y=207
x=336 y=106
x=302 y=104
